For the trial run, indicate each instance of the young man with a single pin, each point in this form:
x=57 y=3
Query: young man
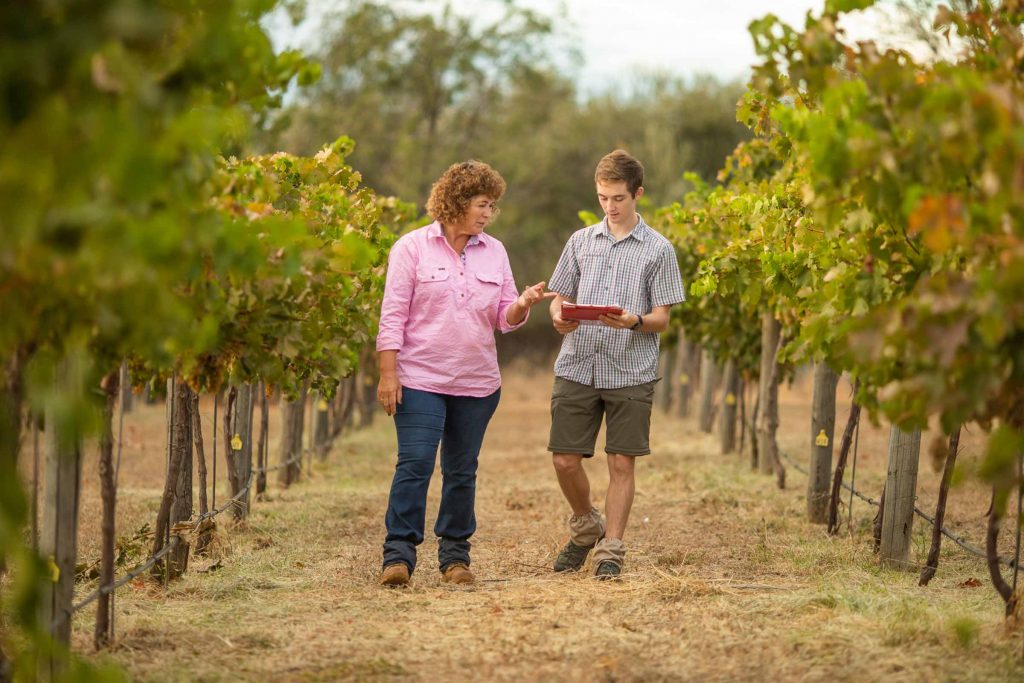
x=607 y=369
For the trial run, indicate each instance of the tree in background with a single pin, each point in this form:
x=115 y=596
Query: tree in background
x=412 y=88
x=418 y=91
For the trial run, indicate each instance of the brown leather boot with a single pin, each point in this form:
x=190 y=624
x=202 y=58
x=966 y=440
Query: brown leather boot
x=458 y=573
x=394 y=575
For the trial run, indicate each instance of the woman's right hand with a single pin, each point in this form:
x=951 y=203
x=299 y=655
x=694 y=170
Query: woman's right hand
x=389 y=392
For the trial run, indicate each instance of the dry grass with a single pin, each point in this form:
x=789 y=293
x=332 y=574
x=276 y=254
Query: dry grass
x=724 y=579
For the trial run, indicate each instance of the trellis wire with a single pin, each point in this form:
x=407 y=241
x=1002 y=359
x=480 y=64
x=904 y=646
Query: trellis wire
x=172 y=542
x=151 y=560
x=1012 y=563
x=1008 y=562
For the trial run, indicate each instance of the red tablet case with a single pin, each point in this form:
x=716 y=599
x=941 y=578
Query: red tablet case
x=585 y=312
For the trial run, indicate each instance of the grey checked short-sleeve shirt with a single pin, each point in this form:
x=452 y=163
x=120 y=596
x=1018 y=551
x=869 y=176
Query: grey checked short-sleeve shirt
x=637 y=273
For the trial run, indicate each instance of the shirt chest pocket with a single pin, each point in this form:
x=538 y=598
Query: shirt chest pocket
x=486 y=290
x=595 y=256
x=433 y=283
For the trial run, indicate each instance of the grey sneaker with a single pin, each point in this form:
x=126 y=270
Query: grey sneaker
x=572 y=557
x=607 y=570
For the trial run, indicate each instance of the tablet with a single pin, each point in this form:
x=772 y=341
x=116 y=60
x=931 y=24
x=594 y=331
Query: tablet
x=585 y=312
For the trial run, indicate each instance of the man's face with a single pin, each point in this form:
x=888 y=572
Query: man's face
x=618 y=204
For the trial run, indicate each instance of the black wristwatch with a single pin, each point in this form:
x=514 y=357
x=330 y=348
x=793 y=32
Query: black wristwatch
x=639 y=322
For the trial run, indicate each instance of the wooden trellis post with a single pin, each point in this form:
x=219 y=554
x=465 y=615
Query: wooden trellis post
x=687 y=372
x=823 y=428
x=730 y=402
x=59 y=531
x=292 y=413
x=900 y=492
x=768 y=397
x=238 y=434
x=321 y=428
x=666 y=368
x=709 y=377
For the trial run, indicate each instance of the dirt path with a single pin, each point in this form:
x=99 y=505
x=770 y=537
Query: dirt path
x=724 y=581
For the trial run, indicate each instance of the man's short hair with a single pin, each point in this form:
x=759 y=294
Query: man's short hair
x=620 y=165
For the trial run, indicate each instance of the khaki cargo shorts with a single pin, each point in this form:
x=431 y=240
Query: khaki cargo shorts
x=577 y=409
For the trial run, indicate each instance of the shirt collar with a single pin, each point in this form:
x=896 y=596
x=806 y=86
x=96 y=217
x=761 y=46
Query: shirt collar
x=639 y=232
x=435 y=230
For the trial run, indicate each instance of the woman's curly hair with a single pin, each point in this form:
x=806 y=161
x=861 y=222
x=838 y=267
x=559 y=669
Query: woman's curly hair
x=451 y=193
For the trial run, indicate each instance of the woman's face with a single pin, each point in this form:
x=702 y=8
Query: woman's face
x=478 y=214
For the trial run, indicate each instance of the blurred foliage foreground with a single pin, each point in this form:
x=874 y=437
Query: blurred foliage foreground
x=131 y=234
x=873 y=207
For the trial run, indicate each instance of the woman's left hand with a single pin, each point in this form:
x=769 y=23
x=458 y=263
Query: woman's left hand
x=389 y=392
x=532 y=296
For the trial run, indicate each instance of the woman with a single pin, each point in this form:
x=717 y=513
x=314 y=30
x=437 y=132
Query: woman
x=449 y=286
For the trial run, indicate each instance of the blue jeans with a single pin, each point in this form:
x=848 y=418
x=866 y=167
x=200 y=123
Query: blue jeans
x=423 y=420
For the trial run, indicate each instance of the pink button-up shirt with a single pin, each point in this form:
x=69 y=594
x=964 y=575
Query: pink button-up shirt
x=440 y=313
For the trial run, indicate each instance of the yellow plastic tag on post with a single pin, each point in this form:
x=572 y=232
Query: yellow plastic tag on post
x=54 y=569
x=236 y=443
x=730 y=399
x=684 y=379
x=322 y=405
x=821 y=439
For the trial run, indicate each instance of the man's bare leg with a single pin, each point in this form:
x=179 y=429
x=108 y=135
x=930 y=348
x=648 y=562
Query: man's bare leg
x=619 y=501
x=572 y=478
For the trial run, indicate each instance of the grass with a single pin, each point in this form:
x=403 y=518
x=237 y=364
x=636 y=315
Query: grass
x=724 y=581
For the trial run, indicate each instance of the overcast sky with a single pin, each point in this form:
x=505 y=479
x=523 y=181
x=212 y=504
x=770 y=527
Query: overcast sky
x=685 y=37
